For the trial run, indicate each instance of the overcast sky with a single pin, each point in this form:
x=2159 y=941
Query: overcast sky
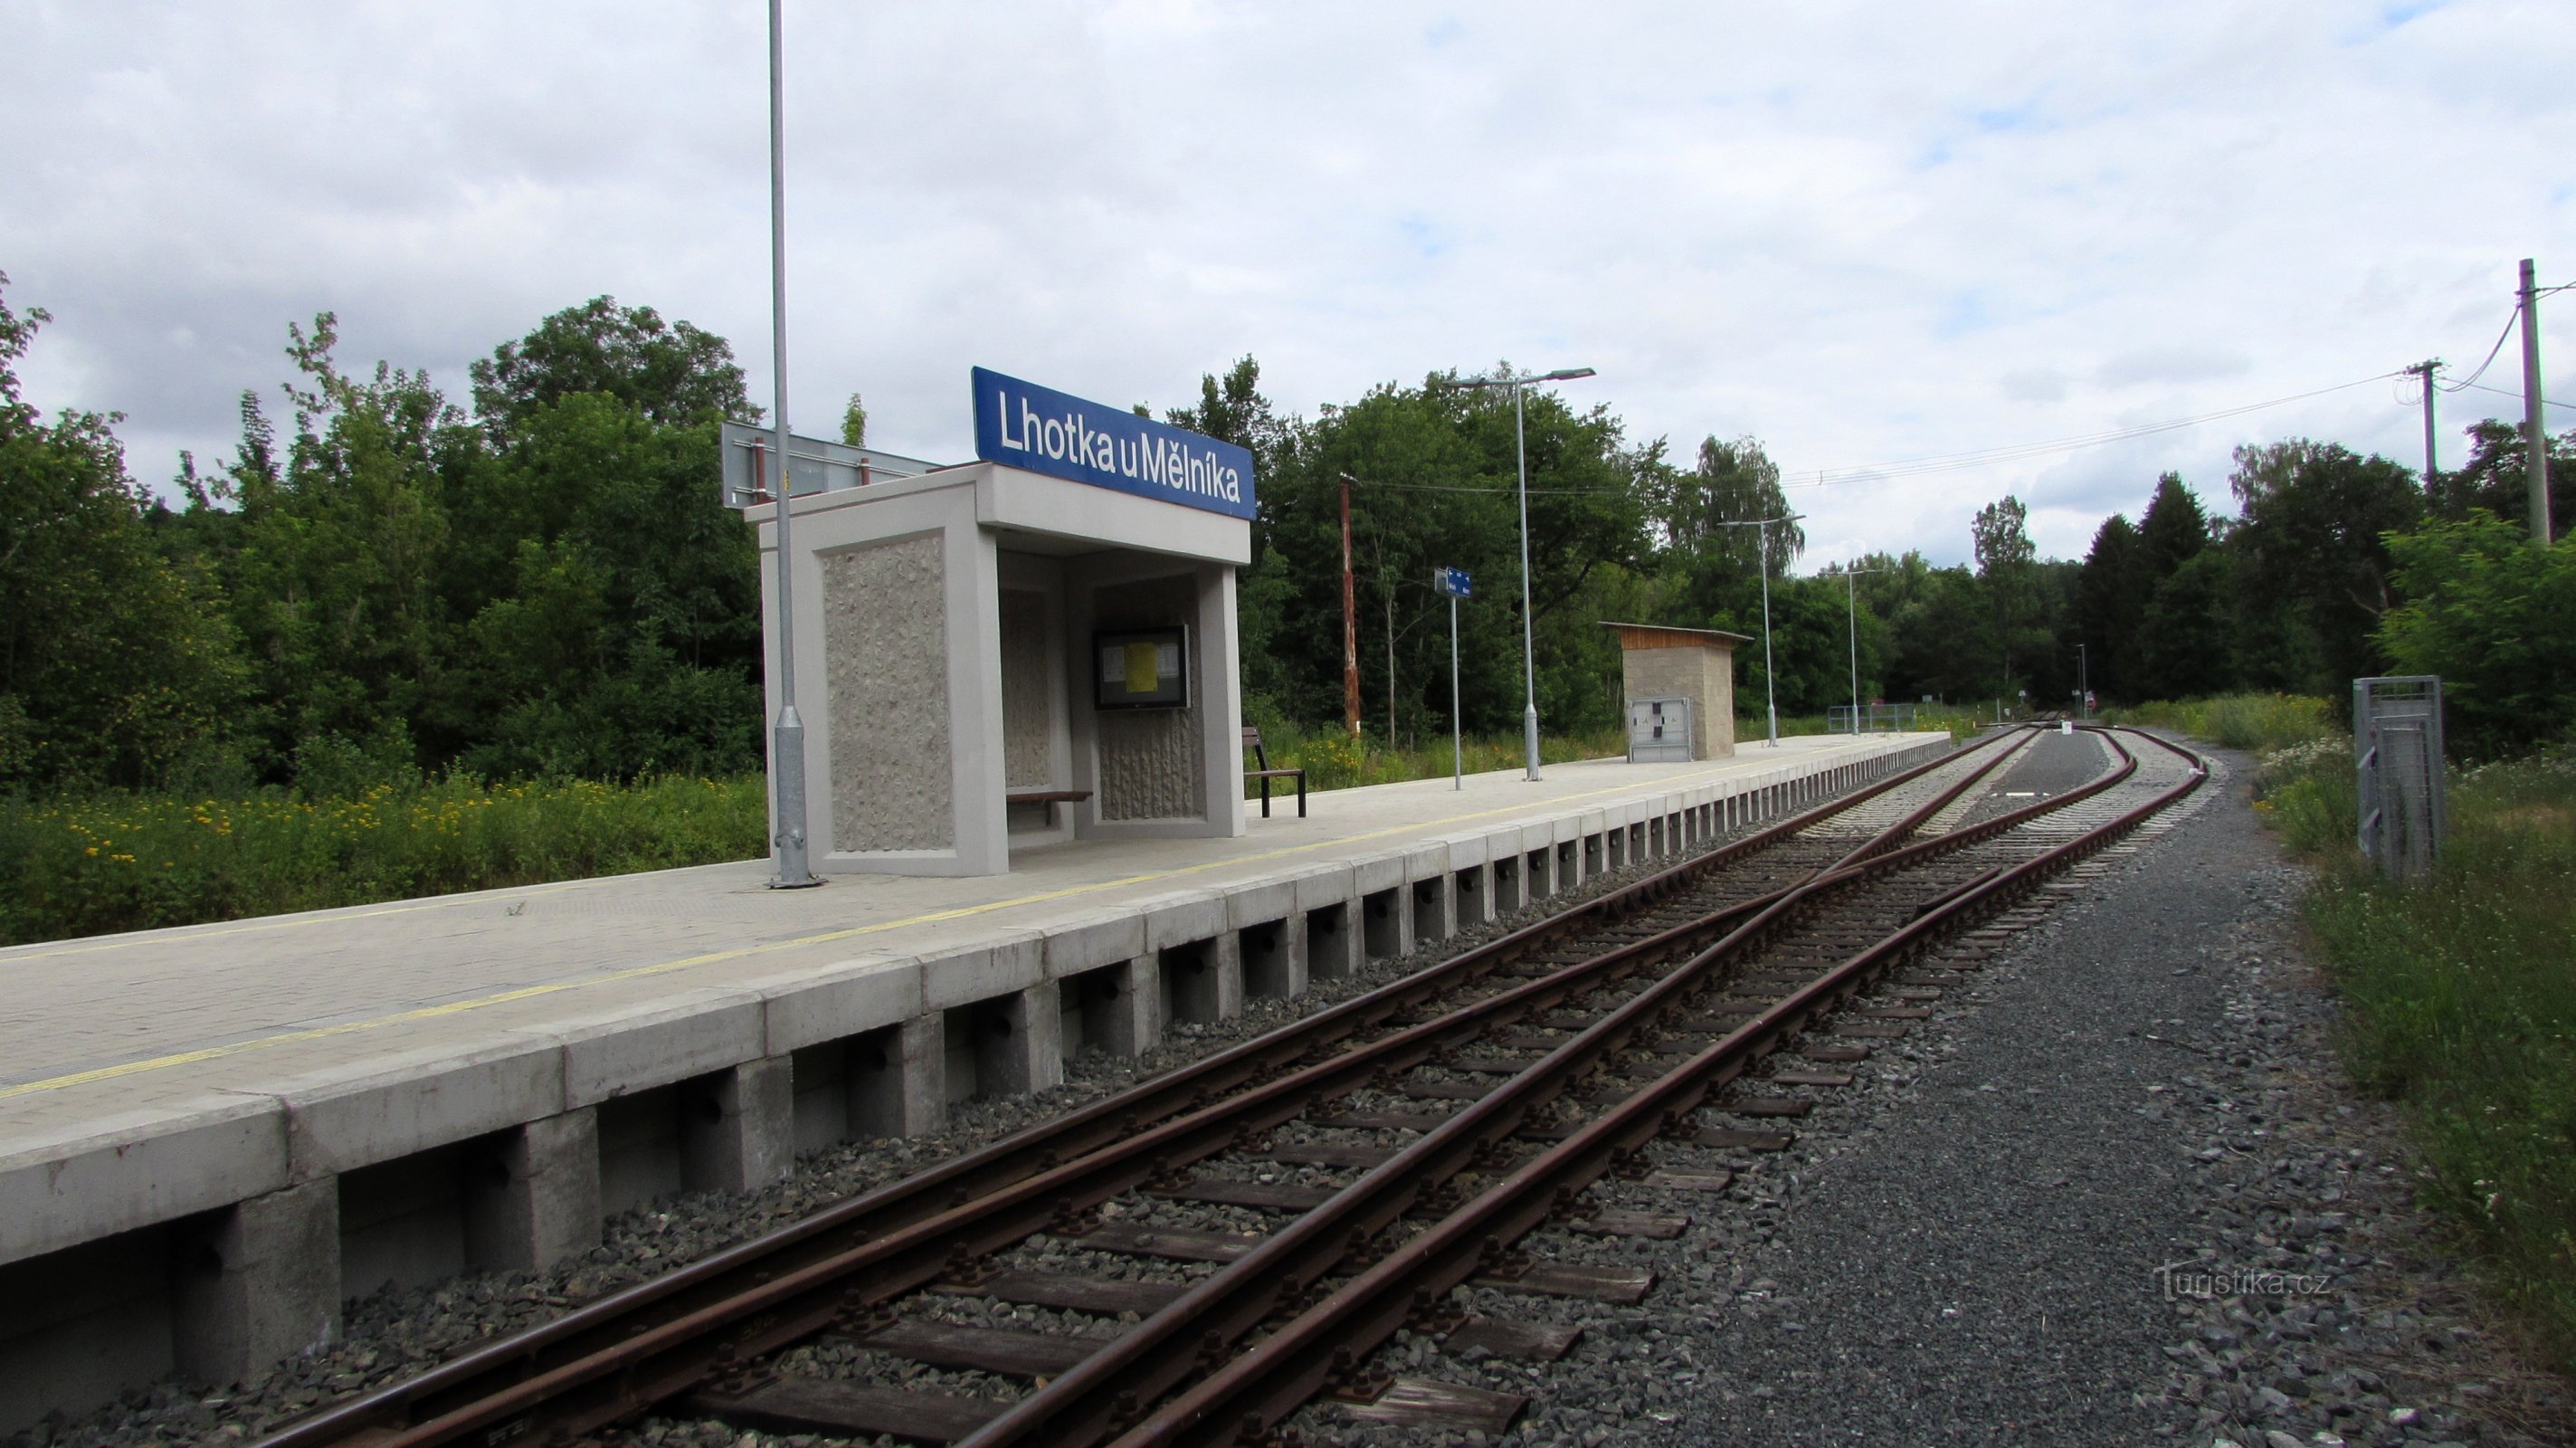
x=1861 y=233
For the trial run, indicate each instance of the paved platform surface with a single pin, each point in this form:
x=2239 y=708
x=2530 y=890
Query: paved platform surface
x=149 y=1022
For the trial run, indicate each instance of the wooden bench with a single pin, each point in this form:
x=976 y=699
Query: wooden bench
x=1252 y=741
x=1047 y=797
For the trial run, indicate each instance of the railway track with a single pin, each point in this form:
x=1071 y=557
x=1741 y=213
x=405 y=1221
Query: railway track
x=1367 y=1160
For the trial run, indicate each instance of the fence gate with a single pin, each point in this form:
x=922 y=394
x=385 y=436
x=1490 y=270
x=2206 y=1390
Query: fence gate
x=2397 y=745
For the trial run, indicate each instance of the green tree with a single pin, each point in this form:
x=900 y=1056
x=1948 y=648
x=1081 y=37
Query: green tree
x=2497 y=478
x=854 y=423
x=2313 y=573
x=626 y=639
x=2009 y=576
x=2186 y=639
x=1437 y=475
x=2112 y=593
x=673 y=373
x=116 y=666
x=2489 y=613
x=337 y=558
x=2174 y=528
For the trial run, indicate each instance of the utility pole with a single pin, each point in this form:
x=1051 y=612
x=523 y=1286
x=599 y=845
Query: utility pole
x=1350 y=625
x=2535 y=435
x=2425 y=370
x=787 y=737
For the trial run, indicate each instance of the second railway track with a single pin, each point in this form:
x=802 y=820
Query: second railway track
x=1340 y=1176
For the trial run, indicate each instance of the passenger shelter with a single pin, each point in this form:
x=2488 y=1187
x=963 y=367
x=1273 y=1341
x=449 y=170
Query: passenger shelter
x=1035 y=647
x=1680 y=687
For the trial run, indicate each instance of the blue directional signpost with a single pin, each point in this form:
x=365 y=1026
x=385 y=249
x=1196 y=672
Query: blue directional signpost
x=1455 y=583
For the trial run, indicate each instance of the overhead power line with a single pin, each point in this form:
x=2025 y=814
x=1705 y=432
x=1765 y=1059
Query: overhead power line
x=2471 y=380
x=2516 y=396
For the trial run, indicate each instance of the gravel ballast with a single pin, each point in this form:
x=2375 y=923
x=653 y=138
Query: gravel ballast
x=2115 y=1192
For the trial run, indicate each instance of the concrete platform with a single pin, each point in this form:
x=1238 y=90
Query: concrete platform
x=208 y=1135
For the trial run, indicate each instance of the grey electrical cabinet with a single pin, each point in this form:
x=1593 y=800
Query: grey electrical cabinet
x=1659 y=731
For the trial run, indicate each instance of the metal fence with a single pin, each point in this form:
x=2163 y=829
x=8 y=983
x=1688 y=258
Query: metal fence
x=1874 y=719
x=2397 y=745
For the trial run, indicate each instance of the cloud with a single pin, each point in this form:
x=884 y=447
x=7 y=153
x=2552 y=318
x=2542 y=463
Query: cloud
x=1861 y=242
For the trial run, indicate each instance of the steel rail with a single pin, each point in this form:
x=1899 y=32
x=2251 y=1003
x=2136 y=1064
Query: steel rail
x=1091 y=1400
x=662 y=1337
x=1241 y=1399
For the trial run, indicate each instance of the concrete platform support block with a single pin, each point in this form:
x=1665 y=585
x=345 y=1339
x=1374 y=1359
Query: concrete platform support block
x=1596 y=854
x=922 y=1059
x=1386 y=924
x=1333 y=948
x=1569 y=864
x=740 y=1133
x=539 y=1205
x=1116 y=1009
x=1538 y=870
x=1511 y=890
x=266 y=1288
x=1473 y=891
x=1203 y=979
x=1274 y=958
x=1037 y=1063
x=1434 y=912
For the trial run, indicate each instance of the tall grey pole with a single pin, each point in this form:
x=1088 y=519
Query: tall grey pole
x=1851 y=612
x=2083 y=685
x=2426 y=370
x=1529 y=629
x=1457 y=731
x=787 y=737
x=1770 y=686
x=2535 y=435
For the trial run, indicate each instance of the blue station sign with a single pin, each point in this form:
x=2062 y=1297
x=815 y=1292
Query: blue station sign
x=1453 y=582
x=1046 y=431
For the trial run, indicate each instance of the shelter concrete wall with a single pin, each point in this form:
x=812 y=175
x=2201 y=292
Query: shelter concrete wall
x=1705 y=676
x=886 y=636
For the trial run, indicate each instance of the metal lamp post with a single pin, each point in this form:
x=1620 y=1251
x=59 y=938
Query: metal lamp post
x=1770 y=686
x=1851 y=610
x=787 y=737
x=1529 y=647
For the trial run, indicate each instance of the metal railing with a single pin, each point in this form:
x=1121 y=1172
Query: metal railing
x=1873 y=719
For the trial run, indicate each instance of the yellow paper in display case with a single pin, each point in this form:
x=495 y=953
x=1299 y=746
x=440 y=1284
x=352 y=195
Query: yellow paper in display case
x=1141 y=673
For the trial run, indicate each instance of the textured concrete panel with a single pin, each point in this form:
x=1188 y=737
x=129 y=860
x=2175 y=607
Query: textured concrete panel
x=1027 y=755
x=885 y=621
x=1153 y=762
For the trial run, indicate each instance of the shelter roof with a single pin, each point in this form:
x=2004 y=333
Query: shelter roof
x=1665 y=636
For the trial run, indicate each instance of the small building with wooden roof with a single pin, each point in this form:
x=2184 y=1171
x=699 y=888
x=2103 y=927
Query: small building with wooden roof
x=1659 y=662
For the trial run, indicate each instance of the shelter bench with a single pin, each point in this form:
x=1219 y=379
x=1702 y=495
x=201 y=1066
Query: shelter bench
x=1047 y=797
x=1252 y=741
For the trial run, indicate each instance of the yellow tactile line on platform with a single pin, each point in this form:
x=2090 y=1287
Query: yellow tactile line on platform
x=317 y=1033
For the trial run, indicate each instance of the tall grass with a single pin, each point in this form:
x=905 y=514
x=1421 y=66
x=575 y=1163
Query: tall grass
x=122 y=861
x=1334 y=760
x=2460 y=995
x=2236 y=721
